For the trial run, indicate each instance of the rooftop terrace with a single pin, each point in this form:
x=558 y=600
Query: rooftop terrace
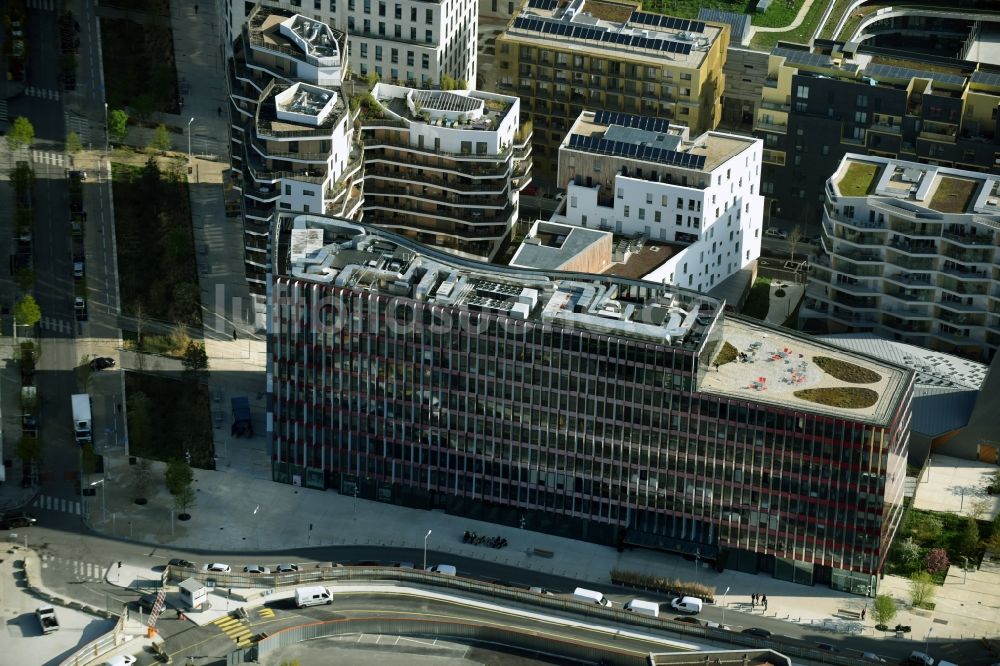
x=780 y=367
x=460 y=109
x=935 y=188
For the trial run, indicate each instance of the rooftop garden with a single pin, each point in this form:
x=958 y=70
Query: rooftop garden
x=857 y=180
x=953 y=195
x=727 y=355
x=846 y=372
x=844 y=397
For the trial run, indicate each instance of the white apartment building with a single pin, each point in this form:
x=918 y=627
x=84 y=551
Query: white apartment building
x=444 y=167
x=697 y=200
x=911 y=252
x=291 y=130
x=416 y=42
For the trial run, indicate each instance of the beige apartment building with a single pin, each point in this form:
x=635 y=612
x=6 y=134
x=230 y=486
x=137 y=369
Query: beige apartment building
x=563 y=57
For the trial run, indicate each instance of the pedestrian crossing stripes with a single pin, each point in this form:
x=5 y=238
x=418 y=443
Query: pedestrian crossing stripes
x=48 y=5
x=264 y=611
x=48 y=157
x=44 y=93
x=235 y=629
x=58 y=325
x=3 y=110
x=81 y=570
x=62 y=504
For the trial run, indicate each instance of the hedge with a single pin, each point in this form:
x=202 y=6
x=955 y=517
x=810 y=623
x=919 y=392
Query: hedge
x=665 y=585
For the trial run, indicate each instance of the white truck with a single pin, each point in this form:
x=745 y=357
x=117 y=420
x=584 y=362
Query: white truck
x=81 y=419
x=47 y=619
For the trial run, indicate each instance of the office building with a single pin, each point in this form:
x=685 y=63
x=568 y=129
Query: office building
x=820 y=103
x=417 y=42
x=911 y=252
x=596 y=407
x=642 y=177
x=444 y=167
x=563 y=57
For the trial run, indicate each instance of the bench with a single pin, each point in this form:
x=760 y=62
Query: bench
x=543 y=553
x=854 y=615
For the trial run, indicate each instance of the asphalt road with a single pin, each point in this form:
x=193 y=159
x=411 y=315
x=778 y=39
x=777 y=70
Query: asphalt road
x=68 y=548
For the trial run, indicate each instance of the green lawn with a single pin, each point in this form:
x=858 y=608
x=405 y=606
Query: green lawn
x=759 y=299
x=157 y=272
x=139 y=68
x=800 y=35
x=167 y=417
x=840 y=6
x=780 y=13
x=857 y=181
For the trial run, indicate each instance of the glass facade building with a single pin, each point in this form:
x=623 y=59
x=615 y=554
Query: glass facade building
x=584 y=405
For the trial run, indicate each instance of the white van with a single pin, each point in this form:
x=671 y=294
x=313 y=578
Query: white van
x=446 y=569
x=312 y=596
x=644 y=607
x=592 y=596
x=687 y=605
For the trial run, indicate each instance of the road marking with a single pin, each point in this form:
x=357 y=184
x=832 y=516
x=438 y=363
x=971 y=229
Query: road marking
x=44 y=5
x=50 y=503
x=43 y=93
x=48 y=157
x=264 y=611
x=53 y=324
x=234 y=628
x=3 y=110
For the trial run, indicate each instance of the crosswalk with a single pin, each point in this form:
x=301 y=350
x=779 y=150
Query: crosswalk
x=81 y=569
x=43 y=93
x=264 y=611
x=47 y=5
x=48 y=157
x=62 y=504
x=57 y=325
x=3 y=110
x=234 y=628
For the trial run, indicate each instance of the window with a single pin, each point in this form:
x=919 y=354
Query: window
x=288 y=190
x=862 y=101
x=368 y=6
x=409 y=58
x=860 y=117
x=649 y=197
x=680 y=220
x=642 y=213
x=429 y=36
x=583 y=220
x=394 y=56
x=656 y=216
x=378 y=53
x=309 y=193
x=429 y=16
x=572 y=202
x=621 y=193
x=381 y=28
x=350 y=23
x=802 y=92
x=801 y=107
x=626 y=211
x=685 y=76
x=825 y=150
x=425 y=60
x=381 y=9
x=413 y=14
x=366 y=25
x=680 y=202
x=398 y=11
x=364 y=46
x=480 y=147
x=397 y=32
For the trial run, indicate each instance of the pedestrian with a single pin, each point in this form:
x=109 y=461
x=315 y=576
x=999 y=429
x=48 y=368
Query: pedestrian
x=219 y=110
x=196 y=9
x=864 y=611
x=234 y=334
x=763 y=600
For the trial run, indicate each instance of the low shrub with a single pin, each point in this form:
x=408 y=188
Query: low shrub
x=664 y=585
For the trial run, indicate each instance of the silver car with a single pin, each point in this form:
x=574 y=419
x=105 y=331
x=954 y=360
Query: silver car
x=218 y=567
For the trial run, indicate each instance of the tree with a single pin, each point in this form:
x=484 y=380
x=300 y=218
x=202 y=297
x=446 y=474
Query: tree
x=73 y=143
x=29 y=448
x=921 y=588
x=142 y=477
x=117 y=125
x=936 y=560
x=794 y=237
x=27 y=312
x=178 y=476
x=184 y=498
x=160 y=141
x=925 y=528
x=909 y=551
x=980 y=507
x=884 y=609
x=967 y=541
x=21 y=134
x=195 y=358
x=372 y=79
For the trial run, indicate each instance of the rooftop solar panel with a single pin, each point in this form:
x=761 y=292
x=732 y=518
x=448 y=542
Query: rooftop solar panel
x=986 y=78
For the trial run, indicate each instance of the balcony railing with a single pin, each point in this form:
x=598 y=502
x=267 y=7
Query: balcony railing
x=411 y=176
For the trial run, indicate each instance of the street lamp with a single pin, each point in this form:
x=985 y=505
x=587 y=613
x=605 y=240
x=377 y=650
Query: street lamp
x=104 y=508
x=189 y=138
x=927 y=642
x=107 y=130
x=425 y=549
x=724 y=607
x=965 y=569
x=256 y=525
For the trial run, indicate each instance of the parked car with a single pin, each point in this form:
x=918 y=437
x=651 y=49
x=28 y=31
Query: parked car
x=871 y=656
x=286 y=568
x=120 y=660
x=12 y=521
x=826 y=647
x=256 y=569
x=776 y=233
x=757 y=632
x=178 y=562
x=918 y=658
x=217 y=567
x=446 y=569
x=687 y=605
x=102 y=363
